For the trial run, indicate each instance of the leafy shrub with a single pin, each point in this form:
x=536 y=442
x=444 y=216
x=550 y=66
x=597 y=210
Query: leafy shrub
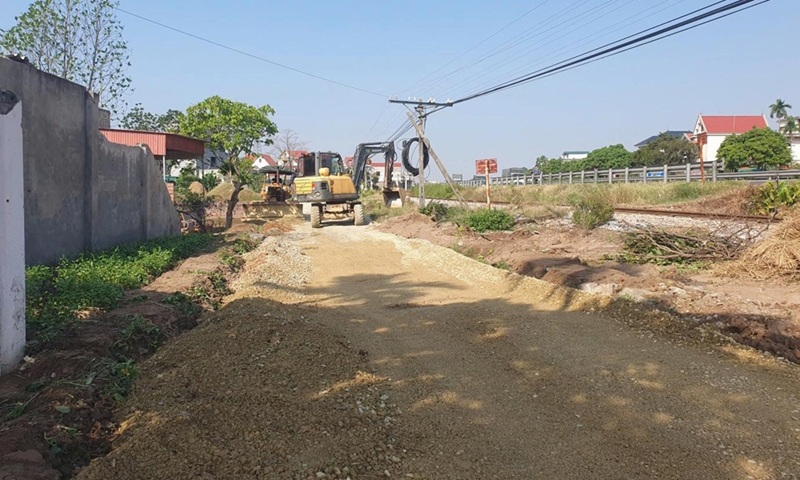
x=438 y=211
x=770 y=197
x=592 y=210
x=484 y=219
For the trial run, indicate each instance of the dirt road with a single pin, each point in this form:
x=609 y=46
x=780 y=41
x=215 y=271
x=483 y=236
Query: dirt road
x=396 y=358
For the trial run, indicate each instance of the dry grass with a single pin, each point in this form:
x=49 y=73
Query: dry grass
x=222 y=192
x=777 y=255
x=617 y=194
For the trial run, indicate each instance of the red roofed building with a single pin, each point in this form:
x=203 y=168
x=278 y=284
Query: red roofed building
x=711 y=130
x=261 y=160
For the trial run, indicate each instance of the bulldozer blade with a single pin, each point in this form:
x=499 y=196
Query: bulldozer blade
x=393 y=198
x=263 y=210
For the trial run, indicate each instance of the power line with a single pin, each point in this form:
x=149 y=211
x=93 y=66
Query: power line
x=578 y=44
x=503 y=28
x=634 y=43
x=256 y=57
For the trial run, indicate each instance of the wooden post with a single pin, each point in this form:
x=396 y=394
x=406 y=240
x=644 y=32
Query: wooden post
x=12 y=235
x=488 y=185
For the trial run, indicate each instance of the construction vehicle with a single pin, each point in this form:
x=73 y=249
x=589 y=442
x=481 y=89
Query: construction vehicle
x=393 y=196
x=275 y=193
x=332 y=189
x=325 y=184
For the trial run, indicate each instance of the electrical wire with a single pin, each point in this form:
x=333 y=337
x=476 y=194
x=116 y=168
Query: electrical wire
x=636 y=42
x=580 y=43
x=497 y=32
x=247 y=54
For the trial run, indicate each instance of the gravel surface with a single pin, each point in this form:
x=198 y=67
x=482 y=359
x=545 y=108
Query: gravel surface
x=347 y=352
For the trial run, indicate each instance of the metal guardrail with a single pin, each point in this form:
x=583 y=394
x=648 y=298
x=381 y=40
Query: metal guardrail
x=668 y=173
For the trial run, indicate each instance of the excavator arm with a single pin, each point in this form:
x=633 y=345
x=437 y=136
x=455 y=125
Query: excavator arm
x=366 y=150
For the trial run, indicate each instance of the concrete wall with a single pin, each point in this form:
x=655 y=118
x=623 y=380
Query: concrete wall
x=12 y=235
x=82 y=193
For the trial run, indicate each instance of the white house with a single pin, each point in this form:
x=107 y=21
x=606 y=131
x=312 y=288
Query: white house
x=794 y=139
x=574 y=155
x=710 y=131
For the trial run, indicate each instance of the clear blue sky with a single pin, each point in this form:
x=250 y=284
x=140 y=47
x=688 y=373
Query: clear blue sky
x=738 y=65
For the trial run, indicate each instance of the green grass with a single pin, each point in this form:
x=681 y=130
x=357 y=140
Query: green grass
x=56 y=295
x=617 y=194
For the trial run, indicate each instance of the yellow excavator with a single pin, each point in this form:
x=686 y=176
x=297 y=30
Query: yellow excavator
x=332 y=189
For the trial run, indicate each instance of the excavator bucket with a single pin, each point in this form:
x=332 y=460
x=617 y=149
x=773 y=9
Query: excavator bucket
x=266 y=210
x=394 y=198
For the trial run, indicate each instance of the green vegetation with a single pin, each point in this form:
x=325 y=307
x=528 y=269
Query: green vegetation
x=773 y=196
x=592 y=209
x=233 y=128
x=484 y=219
x=760 y=148
x=441 y=191
x=618 y=193
x=664 y=150
x=57 y=295
x=81 y=41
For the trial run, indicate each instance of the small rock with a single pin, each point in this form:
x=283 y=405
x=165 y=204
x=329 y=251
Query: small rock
x=600 y=288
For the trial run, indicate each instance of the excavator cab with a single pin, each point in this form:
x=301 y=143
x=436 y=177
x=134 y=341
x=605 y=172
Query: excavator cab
x=326 y=186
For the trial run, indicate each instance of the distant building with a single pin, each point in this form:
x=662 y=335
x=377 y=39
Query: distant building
x=574 y=155
x=711 y=130
x=794 y=139
x=513 y=172
x=685 y=134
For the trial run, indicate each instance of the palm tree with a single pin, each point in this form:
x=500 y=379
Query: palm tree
x=790 y=127
x=778 y=109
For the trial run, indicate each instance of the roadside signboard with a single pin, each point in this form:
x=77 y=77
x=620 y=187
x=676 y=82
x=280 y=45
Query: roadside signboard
x=486 y=166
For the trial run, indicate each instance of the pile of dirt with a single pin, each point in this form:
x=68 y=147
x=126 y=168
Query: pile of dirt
x=278 y=396
x=223 y=191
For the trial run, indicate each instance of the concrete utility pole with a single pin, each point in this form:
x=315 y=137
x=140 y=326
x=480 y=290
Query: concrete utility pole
x=12 y=235
x=421 y=144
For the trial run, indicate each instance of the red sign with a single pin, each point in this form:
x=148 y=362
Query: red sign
x=481 y=166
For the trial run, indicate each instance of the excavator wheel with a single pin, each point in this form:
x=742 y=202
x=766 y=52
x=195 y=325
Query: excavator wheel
x=316 y=216
x=358 y=214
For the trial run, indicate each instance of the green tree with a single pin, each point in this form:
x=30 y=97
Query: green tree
x=233 y=128
x=187 y=176
x=140 y=119
x=612 y=156
x=779 y=109
x=790 y=127
x=761 y=148
x=665 y=150
x=80 y=40
x=209 y=181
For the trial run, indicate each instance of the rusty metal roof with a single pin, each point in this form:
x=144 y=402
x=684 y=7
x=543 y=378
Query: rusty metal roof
x=171 y=145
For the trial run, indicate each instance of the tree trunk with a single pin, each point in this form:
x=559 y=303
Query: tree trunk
x=232 y=205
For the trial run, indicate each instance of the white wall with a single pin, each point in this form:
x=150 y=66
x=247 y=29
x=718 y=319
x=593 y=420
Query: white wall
x=710 y=149
x=796 y=148
x=12 y=241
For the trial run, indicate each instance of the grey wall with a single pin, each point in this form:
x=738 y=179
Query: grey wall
x=82 y=193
